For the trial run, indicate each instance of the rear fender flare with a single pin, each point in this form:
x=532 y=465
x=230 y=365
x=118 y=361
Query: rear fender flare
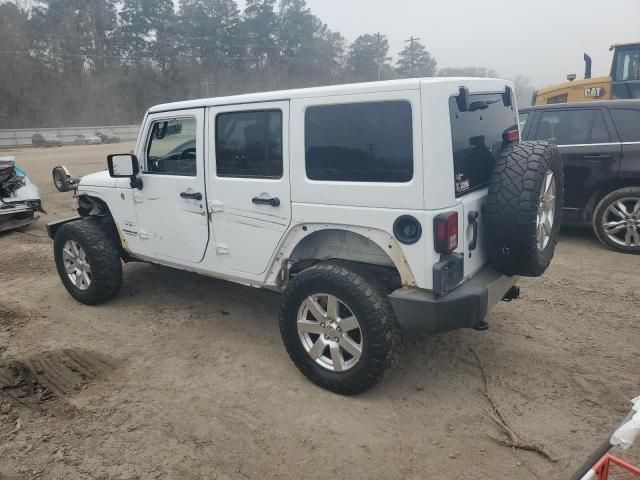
x=385 y=241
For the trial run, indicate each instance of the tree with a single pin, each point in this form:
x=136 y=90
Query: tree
x=467 y=72
x=259 y=27
x=415 y=61
x=368 y=57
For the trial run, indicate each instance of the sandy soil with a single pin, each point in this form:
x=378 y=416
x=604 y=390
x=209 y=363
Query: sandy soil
x=185 y=377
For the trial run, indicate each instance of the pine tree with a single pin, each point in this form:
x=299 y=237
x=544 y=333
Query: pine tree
x=415 y=61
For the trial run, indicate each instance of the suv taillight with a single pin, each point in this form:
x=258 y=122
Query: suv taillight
x=445 y=226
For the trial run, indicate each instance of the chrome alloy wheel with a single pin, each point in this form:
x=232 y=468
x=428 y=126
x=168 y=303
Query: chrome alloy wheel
x=546 y=210
x=76 y=265
x=330 y=332
x=621 y=222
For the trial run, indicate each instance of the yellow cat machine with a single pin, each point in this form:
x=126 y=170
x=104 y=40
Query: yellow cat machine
x=623 y=82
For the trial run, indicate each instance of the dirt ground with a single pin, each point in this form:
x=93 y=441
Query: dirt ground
x=185 y=377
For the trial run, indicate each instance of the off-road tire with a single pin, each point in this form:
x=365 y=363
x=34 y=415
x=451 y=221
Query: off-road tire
x=368 y=302
x=61 y=180
x=512 y=208
x=600 y=211
x=103 y=255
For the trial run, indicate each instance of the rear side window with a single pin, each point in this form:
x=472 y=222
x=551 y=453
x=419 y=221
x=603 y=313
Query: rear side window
x=627 y=123
x=565 y=127
x=249 y=144
x=359 y=142
x=522 y=120
x=477 y=139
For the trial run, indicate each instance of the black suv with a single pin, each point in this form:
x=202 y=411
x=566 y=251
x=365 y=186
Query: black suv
x=600 y=147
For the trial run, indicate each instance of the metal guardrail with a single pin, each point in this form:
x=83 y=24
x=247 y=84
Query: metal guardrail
x=22 y=137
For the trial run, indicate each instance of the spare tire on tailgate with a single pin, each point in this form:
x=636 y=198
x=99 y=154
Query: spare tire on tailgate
x=524 y=208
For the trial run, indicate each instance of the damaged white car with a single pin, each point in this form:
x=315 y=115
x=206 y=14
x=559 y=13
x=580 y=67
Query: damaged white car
x=19 y=198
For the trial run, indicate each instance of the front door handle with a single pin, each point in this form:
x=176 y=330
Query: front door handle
x=191 y=196
x=274 y=202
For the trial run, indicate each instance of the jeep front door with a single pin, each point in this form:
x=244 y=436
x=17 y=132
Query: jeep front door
x=249 y=183
x=171 y=205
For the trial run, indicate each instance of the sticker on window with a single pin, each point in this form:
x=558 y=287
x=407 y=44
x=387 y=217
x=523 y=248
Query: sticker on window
x=462 y=184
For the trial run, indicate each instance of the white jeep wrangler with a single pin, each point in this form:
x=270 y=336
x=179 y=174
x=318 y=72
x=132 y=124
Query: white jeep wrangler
x=377 y=209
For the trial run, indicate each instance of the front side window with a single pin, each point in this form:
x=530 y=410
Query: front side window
x=627 y=123
x=249 y=144
x=565 y=127
x=359 y=142
x=171 y=149
x=599 y=132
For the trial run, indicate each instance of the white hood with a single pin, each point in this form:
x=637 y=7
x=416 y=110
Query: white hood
x=98 y=179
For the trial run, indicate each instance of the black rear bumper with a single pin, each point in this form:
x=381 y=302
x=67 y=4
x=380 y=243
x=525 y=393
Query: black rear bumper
x=464 y=307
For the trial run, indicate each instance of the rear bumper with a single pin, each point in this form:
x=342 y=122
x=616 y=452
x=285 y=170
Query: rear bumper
x=464 y=307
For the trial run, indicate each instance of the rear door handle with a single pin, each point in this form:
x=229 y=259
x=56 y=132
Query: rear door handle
x=274 y=202
x=597 y=157
x=191 y=196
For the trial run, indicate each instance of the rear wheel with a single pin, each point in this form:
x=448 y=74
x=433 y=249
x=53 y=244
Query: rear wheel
x=88 y=261
x=338 y=328
x=616 y=220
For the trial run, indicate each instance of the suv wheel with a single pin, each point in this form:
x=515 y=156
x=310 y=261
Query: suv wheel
x=88 y=261
x=338 y=328
x=616 y=220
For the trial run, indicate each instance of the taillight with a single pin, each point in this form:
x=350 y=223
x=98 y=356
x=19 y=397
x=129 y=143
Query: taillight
x=446 y=232
x=511 y=135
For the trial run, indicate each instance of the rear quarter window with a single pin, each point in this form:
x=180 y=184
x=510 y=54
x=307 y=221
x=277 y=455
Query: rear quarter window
x=360 y=142
x=627 y=123
x=477 y=138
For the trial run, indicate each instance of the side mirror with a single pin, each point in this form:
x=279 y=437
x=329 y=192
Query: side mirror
x=125 y=165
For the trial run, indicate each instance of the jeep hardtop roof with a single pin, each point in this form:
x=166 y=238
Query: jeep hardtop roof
x=345 y=89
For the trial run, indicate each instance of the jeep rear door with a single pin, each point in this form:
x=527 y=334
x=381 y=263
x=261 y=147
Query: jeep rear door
x=248 y=181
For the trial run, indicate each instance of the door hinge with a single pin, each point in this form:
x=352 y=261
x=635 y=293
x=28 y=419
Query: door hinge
x=137 y=197
x=222 y=249
x=143 y=235
x=216 y=206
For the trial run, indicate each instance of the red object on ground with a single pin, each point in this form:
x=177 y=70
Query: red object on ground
x=612 y=467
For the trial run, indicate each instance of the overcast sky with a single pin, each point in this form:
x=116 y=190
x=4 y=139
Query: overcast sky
x=541 y=39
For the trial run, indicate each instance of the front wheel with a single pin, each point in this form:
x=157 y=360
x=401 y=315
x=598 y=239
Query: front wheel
x=338 y=328
x=616 y=220
x=88 y=261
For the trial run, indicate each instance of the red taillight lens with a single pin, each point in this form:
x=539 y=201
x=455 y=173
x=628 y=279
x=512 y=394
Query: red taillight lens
x=511 y=136
x=6 y=170
x=446 y=232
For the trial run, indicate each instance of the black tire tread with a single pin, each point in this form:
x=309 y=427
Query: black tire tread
x=384 y=336
x=103 y=254
x=512 y=205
